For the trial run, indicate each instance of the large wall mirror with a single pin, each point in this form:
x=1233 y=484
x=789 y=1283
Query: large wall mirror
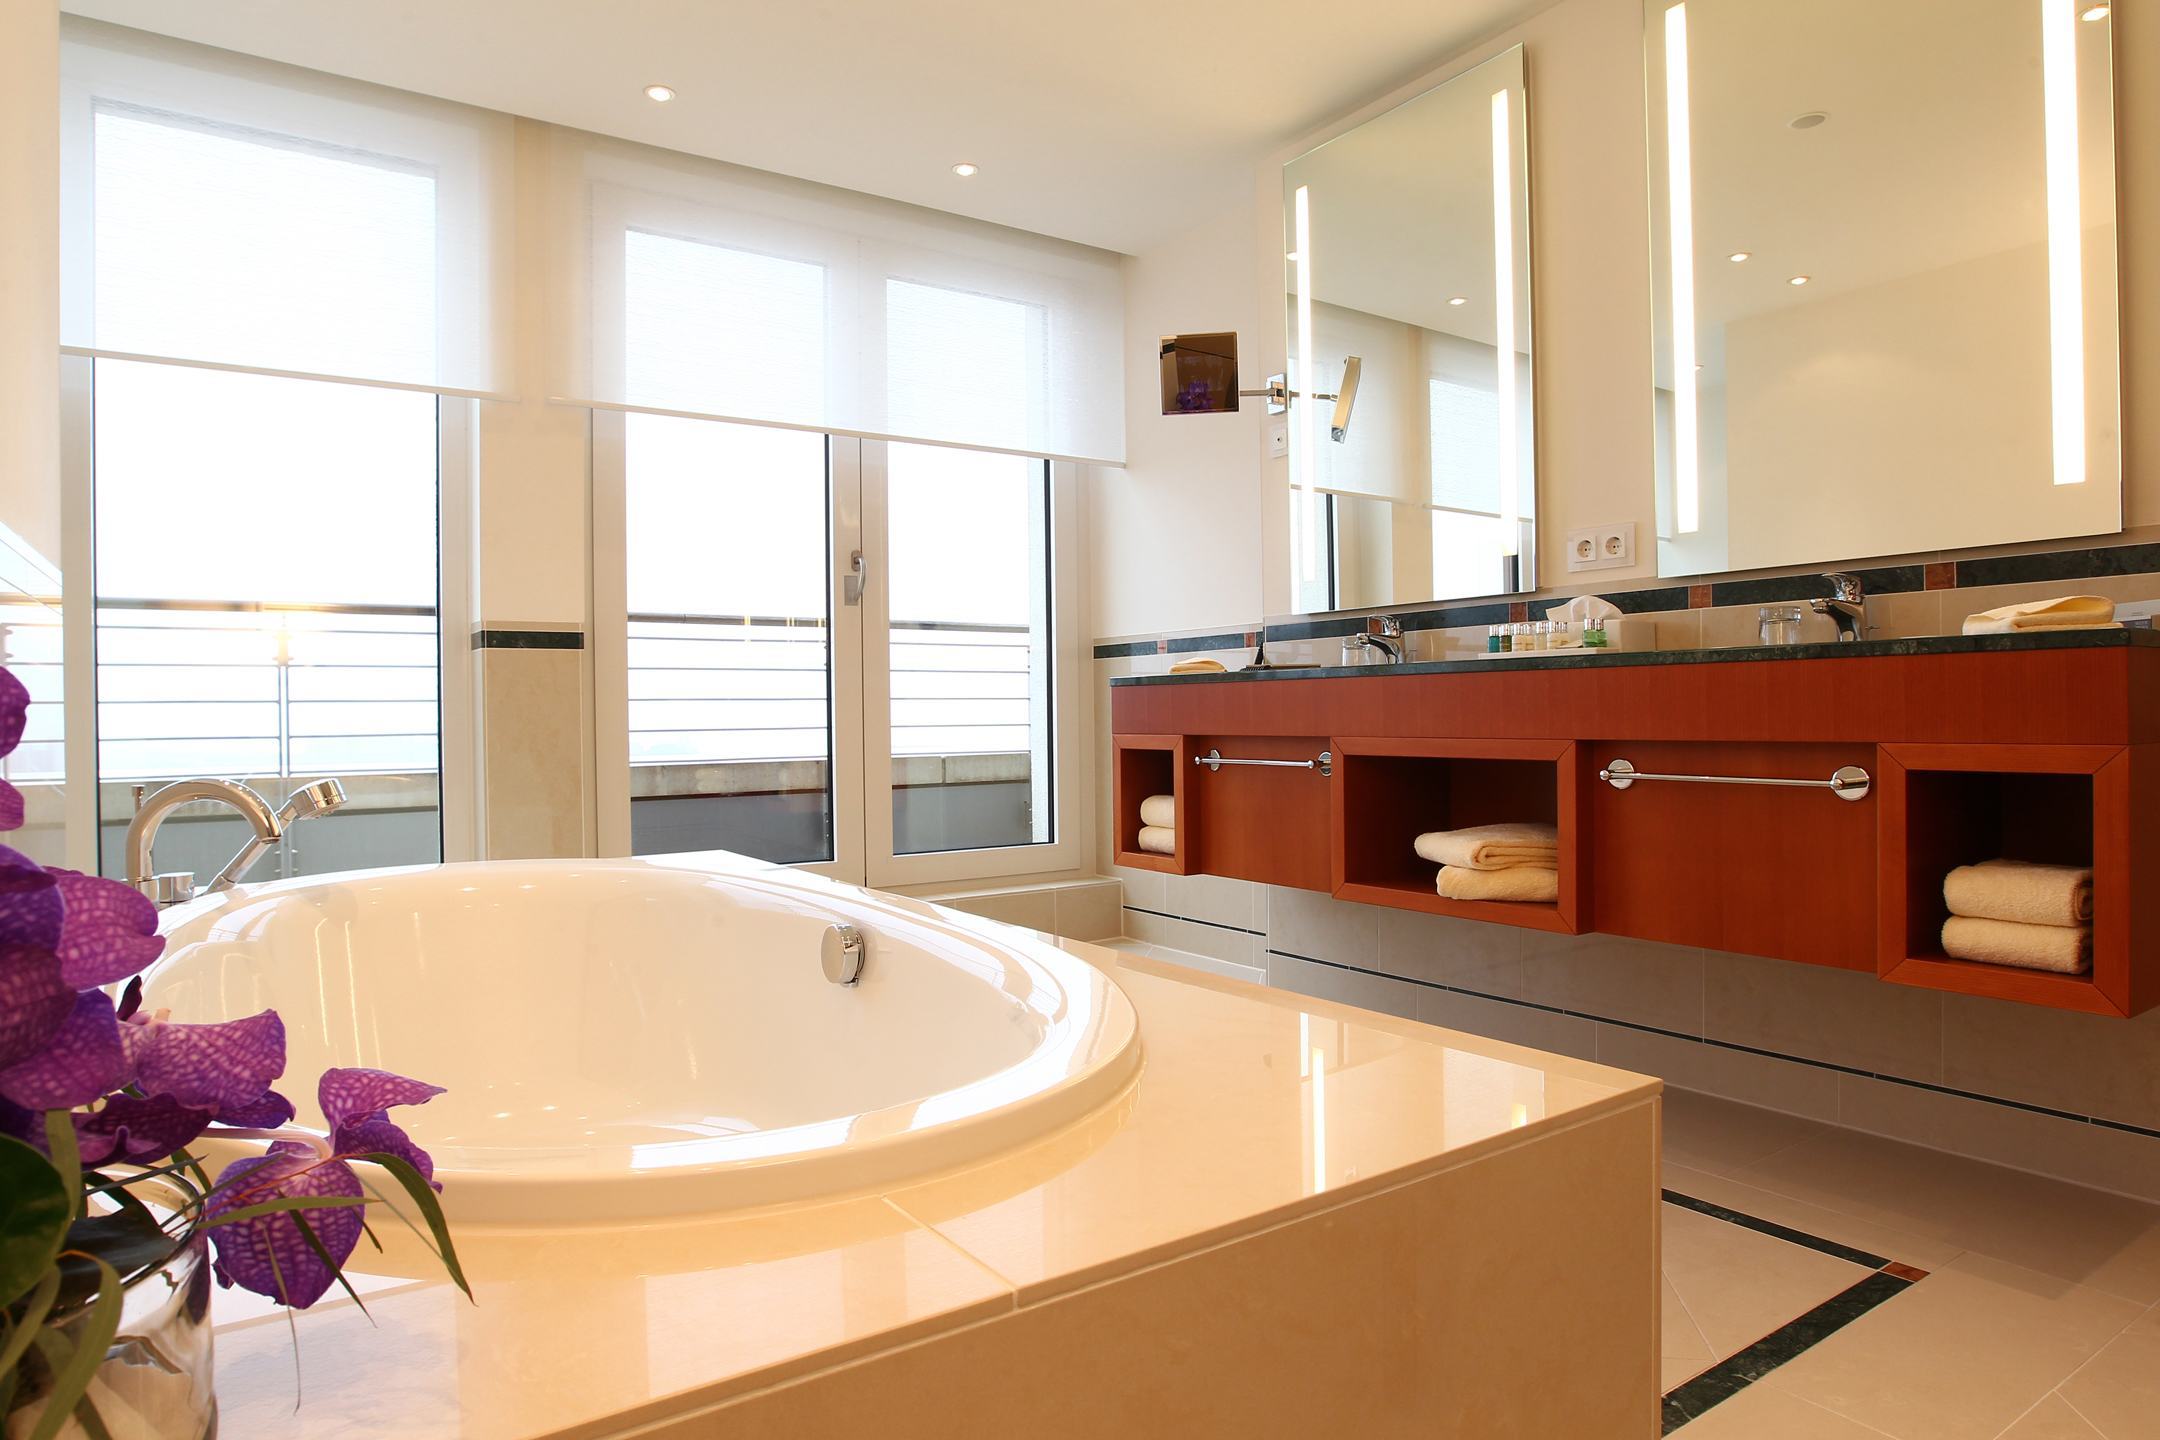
x=1885 y=277
x=1408 y=272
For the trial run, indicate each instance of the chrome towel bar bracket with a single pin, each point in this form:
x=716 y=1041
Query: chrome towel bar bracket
x=1848 y=782
x=1215 y=760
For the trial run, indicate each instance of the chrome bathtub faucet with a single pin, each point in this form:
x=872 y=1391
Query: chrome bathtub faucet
x=318 y=797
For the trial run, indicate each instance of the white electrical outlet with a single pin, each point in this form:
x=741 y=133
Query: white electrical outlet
x=1276 y=435
x=1602 y=547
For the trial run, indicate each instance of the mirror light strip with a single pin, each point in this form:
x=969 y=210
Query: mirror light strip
x=1503 y=200
x=1302 y=415
x=1680 y=192
x=2066 y=236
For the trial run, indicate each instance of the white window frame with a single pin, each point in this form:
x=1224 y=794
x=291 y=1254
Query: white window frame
x=457 y=438
x=860 y=684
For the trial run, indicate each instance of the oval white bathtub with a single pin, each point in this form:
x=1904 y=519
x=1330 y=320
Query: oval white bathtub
x=624 y=1039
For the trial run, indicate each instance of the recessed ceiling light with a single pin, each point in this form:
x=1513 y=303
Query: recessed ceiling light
x=1809 y=120
x=2095 y=12
x=659 y=94
x=1458 y=300
x=964 y=169
x=1739 y=255
x=1798 y=280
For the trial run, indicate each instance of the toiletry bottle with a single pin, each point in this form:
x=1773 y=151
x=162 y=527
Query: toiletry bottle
x=1492 y=640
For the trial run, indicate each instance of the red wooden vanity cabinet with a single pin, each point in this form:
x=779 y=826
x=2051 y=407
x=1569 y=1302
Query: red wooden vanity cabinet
x=2042 y=749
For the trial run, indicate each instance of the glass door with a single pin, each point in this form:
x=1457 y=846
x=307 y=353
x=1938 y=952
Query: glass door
x=732 y=698
x=829 y=652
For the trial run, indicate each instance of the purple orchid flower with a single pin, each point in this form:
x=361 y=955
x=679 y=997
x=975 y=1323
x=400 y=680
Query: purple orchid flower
x=267 y=1253
x=14 y=715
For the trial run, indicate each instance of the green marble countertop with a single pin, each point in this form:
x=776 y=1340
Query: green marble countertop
x=1579 y=659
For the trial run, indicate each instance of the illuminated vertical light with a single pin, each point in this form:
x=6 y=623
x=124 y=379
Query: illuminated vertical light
x=1319 y=1120
x=2066 y=237
x=1503 y=221
x=1301 y=411
x=1680 y=191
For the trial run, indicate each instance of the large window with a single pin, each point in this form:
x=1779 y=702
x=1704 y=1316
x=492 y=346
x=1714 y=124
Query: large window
x=264 y=548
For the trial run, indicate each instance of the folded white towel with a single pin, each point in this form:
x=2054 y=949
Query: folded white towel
x=1158 y=839
x=2064 y=949
x=2025 y=893
x=2067 y=612
x=1533 y=883
x=1492 y=847
x=1159 y=810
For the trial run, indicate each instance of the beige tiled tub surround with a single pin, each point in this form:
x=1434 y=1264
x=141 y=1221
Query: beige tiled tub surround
x=1299 y=1215
x=535 y=784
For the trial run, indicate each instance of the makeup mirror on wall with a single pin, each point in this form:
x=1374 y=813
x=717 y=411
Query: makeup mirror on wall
x=1407 y=281
x=1884 y=250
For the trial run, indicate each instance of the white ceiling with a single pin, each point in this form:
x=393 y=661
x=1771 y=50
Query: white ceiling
x=1117 y=124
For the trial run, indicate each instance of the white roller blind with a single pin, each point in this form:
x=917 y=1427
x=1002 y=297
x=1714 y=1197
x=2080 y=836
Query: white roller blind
x=223 y=209
x=708 y=289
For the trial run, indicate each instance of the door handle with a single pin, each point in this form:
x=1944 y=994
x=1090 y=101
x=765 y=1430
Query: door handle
x=851 y=584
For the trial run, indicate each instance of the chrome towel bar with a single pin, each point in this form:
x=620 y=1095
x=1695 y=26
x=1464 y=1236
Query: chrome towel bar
x=1215 y=760
x=1848 y=782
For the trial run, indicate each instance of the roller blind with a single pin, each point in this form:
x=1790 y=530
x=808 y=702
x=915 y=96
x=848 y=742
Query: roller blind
x=708 y=289
x=222 y=209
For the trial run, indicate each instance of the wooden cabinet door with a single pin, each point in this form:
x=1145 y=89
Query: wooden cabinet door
x=1753 y=869
x=1264 y=823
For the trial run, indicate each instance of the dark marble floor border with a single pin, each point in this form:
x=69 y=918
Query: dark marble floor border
x=2088 y=562
x=2052 y=1113
x=1728 y=1377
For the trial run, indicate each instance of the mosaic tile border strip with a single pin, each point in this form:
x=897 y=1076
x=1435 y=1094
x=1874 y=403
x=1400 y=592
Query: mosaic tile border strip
x=2084 y=563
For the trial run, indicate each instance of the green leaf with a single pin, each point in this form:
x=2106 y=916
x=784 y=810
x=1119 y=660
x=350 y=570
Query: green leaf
x=28 y=1321
x=35 y=1205
x=282 y=1204
x=72 y=1372
x=66 y=1154
x=430 y=1209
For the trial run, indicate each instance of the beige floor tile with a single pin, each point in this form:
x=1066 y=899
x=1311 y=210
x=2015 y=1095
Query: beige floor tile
x=1704 y=1132
x=1738 y=1284
x=1961 y=1355
x=2119 y=1389
x=1925 y=1252
x=2088 y=1237
x=1760 y=1413
x=2052 y=1419
x=1683 y=1351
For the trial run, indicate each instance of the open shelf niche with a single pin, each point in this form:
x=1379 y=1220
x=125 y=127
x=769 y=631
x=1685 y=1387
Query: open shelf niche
x=1949 y=805
x=1148 y=765
x=1389 y=791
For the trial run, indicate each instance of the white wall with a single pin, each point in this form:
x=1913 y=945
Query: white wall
x=30 y=273
x=1175 y=535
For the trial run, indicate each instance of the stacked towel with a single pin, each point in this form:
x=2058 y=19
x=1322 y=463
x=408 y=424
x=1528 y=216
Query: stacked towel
x=1533 y=883
x=2071 y=612
x=1496 y=862
x=1158 y=825
x=2010 y=912
x=1493 y=847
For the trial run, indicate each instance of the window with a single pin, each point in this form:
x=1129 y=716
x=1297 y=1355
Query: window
x=263 y=548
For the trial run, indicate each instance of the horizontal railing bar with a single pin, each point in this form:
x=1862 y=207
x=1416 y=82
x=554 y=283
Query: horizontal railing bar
x=255 y=607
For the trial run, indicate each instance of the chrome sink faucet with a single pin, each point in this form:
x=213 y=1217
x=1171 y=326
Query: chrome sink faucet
x=1382 y=633
x=1846 y=604
x=318 y=797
